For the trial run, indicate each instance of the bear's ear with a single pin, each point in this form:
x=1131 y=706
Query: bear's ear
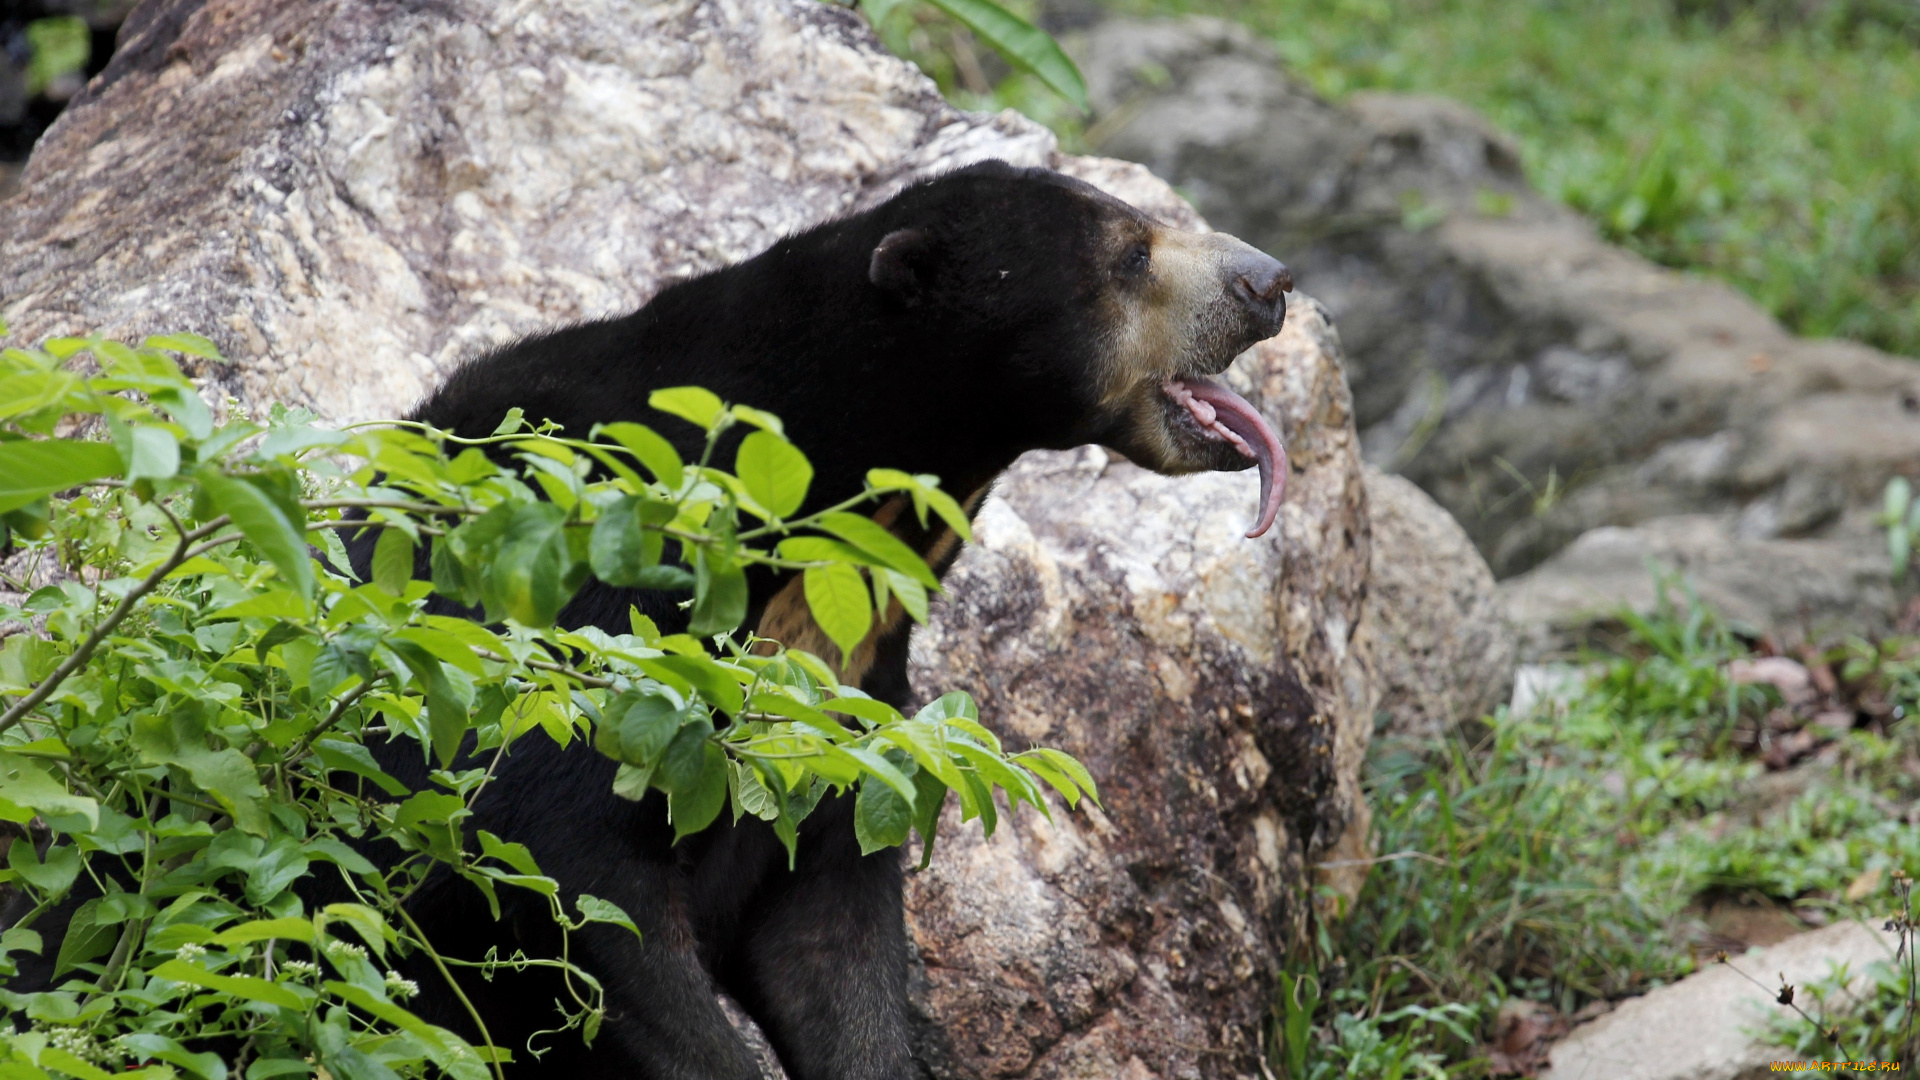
x=900 y=264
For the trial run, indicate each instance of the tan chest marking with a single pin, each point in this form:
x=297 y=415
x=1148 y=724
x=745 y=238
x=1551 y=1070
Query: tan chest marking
x=788 y=621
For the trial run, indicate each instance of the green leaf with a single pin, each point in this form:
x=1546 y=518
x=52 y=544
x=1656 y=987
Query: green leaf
x=447 y=709
x=1898 y=496
x=330 y=850
x=28 y=786
x=881 y=818
x=288 y=929
x=365 y=921
x=190 y=344
x=267 y=1068
x=912 y=594
x=179 y=738
x=393 y=561
x=594 y=909
x=838 y=599
x=775 y=472
x=1023 y=44
x=693 y=404
x=54 y=876
x=712 y=680
x=515 y=418
x=85 y=940
x=871 y=537
x=448 y=1051
x=270 y=866
x=645 y=723
x=451 y=577
x=284 y=995
x=719 y=596
x=152 y=453
x=750 y=796
x=265 y=524
x=187 y=409
x=683 y=760
x=881 y=769
x=759 y=418
x=694 y=808
x=930 y=795
x=351 y=757
x=141 y=1045
x=31 y=468
x=653 y=451
x=55 y=1058
x=526 y=577
x=623 y=548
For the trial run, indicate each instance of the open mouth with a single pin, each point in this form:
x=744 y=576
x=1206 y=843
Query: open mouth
x=1224 y=416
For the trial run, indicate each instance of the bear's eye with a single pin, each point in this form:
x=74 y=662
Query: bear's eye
x=1136 y=261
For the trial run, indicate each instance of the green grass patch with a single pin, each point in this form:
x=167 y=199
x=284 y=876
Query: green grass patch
x=1562 y=858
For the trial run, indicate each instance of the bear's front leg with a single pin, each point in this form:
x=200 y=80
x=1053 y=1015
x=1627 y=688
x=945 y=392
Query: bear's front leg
x=663 y=1021
x=824 y=961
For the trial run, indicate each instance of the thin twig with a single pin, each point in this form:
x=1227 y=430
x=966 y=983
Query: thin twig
x=1409 y=854
x=340 y=708
x=182 y=551
x=493 y=1051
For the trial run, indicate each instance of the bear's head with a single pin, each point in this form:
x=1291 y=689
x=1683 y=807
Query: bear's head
x=1106 y=326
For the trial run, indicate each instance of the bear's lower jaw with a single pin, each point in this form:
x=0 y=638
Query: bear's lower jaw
x=1210 y=422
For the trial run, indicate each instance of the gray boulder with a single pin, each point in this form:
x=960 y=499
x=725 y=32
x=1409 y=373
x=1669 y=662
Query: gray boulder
x=1443 y=649
x=350 y=196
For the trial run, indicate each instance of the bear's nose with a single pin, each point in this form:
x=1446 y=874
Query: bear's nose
x=1262 y=278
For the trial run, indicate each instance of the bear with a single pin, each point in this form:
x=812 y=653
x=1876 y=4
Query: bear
x=964 y=321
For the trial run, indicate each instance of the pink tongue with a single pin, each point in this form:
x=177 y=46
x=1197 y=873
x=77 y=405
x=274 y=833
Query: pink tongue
x=1228 y=416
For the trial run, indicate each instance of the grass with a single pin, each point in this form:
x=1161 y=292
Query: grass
x=1563 y=858
x=1781 y=154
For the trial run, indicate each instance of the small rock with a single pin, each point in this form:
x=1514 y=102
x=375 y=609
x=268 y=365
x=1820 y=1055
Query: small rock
x=1547 y=686
x=1790 y=677
x=1522 y=1034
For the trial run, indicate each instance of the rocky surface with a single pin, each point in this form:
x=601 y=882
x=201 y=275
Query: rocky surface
x=1443 y=648
x=1538 y=382
x=350 y=196
x=1808 y=589
x=1704 y=1026
x=353 y=197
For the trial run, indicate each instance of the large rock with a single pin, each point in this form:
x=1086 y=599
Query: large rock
x=1535 y=380
x=1803 y=590
x=1443 y=649
x=351 y=195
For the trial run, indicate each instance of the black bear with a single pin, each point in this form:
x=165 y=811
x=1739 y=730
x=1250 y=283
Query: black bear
x=969 y=319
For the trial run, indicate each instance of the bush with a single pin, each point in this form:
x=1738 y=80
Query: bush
x=188 y=729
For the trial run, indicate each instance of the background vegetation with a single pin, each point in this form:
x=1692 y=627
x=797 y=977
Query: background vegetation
x=1771 y=143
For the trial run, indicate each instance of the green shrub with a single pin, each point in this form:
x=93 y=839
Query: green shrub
x=191 y=730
